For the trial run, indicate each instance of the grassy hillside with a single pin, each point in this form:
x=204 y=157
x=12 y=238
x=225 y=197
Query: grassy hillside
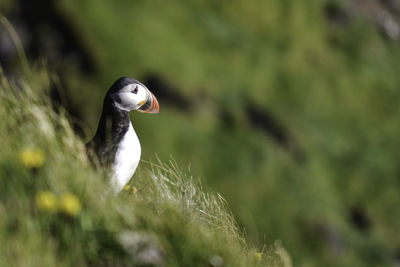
x=292 y=113
x=54 y=209
x=289 y=109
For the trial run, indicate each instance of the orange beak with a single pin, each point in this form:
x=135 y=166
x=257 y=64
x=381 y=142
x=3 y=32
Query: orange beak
x=150 y=105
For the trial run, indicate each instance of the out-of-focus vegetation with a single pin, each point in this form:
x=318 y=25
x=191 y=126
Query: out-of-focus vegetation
x=54 y=209
x=288 y=108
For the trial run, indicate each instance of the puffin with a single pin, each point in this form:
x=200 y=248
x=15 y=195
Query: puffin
x=115 y=144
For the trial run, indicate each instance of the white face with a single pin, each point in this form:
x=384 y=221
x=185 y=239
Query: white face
x=130 y=97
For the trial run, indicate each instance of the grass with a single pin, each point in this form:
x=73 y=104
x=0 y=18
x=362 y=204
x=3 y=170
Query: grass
x=333 y=86
x=54 y=209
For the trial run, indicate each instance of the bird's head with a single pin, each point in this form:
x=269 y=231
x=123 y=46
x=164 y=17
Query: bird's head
x=129 y=94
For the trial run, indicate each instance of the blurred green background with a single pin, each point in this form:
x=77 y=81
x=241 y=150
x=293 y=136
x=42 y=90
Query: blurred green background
x=290 y=109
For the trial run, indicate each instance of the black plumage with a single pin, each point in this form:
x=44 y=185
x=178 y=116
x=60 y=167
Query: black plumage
x=113 y=125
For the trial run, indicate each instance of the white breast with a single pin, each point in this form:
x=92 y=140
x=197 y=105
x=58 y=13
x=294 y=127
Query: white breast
x=126 y=160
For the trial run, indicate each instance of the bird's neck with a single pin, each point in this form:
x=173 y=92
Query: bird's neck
x=113 y=125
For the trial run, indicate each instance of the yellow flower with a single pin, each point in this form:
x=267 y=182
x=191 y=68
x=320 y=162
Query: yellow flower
x=70 y=205
x=258 y=256
x=128 y=188
x=46 y=201
x=32 y=158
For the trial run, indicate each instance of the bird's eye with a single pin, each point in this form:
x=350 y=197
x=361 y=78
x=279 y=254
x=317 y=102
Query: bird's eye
x=135 y=90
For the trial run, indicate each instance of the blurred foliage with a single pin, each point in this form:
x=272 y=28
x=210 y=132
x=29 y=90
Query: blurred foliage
x=329 y=188
x=54 y=209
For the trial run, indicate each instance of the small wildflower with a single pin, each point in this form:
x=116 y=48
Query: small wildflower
x=128 y=188
x=258 y=256
x=46 y=201
x=32 y=158
x=70 y=205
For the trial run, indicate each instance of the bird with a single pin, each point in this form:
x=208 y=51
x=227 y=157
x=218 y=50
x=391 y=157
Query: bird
x=115 y=143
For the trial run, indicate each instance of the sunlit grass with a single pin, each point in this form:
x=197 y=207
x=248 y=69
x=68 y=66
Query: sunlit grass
x=55 y=210
x=332 y=86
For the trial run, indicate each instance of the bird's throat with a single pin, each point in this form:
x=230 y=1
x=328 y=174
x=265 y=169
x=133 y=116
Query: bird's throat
x=113 y=125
